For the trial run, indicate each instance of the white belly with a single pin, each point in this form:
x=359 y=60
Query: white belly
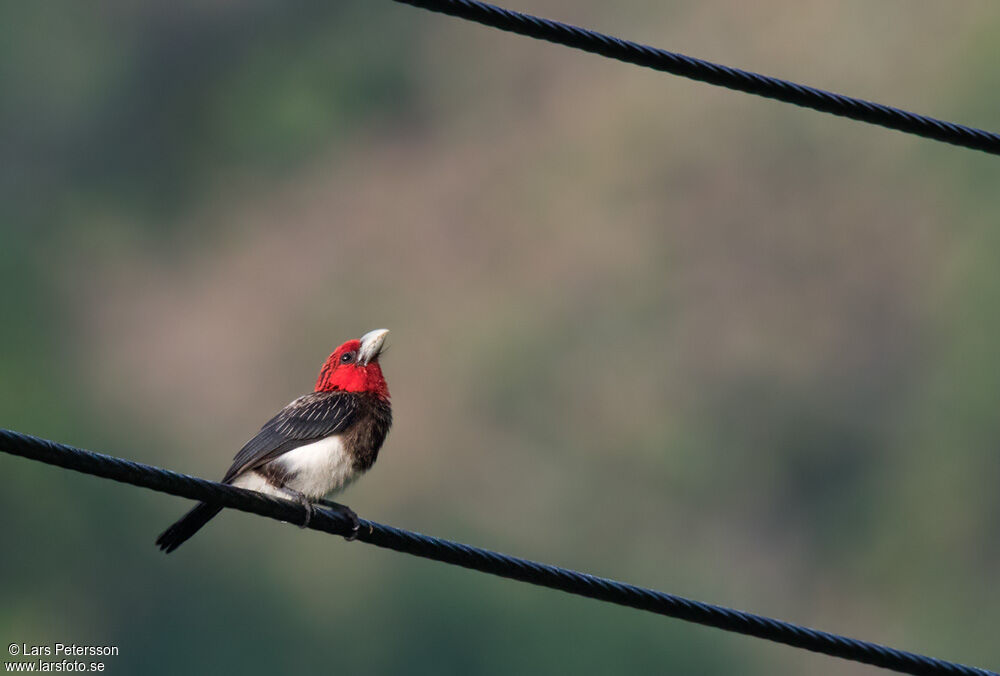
x=315 y=470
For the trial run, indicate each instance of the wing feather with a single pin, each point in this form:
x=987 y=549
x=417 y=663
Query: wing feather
x=307 y=419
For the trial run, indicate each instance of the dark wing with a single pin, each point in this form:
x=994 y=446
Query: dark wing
x=307 y=419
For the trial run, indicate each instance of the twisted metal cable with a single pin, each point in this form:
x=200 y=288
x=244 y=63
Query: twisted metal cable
x=713 y=73
x=483 y=560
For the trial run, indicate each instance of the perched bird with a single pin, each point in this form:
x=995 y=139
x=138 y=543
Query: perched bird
x=317 y=444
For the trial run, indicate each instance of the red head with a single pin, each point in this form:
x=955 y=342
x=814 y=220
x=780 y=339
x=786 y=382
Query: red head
x=353 y=367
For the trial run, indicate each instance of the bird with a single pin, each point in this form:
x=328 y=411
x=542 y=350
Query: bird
x=317 y=444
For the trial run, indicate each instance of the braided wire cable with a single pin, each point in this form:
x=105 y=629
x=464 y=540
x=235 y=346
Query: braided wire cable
x=483 y=560
x=713 y=73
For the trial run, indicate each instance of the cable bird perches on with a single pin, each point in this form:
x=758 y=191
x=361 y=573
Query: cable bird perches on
x=714 y=73
x=483 y=560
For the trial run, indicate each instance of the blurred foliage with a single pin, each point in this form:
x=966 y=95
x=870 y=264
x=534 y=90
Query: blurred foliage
x=641 y=327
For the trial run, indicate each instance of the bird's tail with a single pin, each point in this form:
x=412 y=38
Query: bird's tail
x=186 y=526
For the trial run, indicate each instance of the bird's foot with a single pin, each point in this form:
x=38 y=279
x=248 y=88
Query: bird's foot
x=300 y=498
x=304 y=501
x=345 y=511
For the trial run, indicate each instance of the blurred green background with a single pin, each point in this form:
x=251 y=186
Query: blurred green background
x=641 y=327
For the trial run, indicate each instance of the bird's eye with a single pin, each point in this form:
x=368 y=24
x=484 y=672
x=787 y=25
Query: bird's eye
x=347 y=358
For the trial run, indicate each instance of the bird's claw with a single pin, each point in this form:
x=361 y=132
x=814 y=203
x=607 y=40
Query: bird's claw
x=353 y=518
x=347 y=512
x=355 y=527
x=309 y=513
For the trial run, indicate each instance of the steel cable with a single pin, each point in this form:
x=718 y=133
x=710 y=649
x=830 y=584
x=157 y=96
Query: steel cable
x=713 y=73
x=483 y=560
